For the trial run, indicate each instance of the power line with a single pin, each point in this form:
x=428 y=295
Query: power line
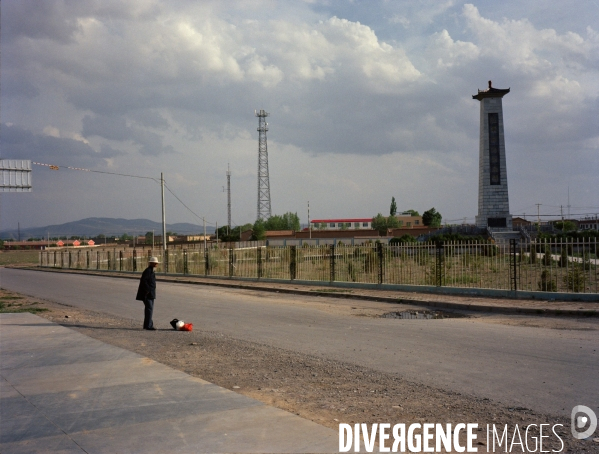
x=189 y=209
x=56 y=167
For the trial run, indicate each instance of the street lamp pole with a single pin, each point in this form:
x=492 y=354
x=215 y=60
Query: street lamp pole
x=163 y=222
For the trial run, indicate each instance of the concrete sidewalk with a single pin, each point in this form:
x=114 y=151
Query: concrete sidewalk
x=61 y=391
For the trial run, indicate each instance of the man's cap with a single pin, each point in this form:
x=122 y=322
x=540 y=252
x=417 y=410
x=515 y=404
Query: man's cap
x=153 y=260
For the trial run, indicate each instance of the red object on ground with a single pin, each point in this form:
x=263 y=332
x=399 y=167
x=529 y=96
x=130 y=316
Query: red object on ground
x=187 y=327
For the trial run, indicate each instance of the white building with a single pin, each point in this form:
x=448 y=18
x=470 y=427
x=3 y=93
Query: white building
x=405 y=221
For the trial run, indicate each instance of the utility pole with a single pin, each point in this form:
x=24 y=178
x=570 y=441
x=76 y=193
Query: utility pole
x=309 y=223
x=568 y=202
x=538 y=215
x=228 y=197
x=205 y=250
x=163 y=222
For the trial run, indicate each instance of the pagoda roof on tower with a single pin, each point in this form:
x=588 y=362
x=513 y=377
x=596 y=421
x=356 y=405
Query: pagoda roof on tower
x=491 y=92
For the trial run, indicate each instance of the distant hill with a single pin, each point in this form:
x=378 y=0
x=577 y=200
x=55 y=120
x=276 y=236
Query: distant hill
x=107 y=226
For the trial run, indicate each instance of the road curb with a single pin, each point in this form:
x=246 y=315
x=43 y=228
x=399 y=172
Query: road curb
x=384 y=299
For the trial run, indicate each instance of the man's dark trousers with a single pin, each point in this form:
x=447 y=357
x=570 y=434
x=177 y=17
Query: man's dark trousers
x=148 y=311
x=147 y=293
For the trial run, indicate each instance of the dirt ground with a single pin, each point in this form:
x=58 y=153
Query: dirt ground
x=324 y=391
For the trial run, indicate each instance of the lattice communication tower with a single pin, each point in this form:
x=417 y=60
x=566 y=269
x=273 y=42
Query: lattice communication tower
x=264 y=211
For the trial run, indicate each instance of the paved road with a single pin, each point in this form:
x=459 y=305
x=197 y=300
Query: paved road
x=542 y=369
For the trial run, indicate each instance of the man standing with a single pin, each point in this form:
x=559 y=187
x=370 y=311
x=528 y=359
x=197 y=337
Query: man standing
x=147 y=292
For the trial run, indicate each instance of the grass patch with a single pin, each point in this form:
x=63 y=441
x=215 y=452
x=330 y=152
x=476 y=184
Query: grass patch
x=18 y=308
x=19 y=257
x=11 y=297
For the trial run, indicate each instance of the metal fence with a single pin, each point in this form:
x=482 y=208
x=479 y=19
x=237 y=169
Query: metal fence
x=551 y=266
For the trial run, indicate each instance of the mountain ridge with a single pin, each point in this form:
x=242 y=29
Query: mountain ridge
x=95 y=226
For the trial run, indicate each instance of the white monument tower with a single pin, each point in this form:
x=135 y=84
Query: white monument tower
x=493 y=200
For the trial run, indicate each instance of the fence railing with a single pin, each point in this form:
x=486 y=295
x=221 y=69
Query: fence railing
x=556 y=266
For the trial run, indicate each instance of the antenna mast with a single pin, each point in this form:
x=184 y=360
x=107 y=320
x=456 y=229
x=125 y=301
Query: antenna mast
x=264 y=211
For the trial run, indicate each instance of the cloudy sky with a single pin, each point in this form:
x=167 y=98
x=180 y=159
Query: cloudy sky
x=367 y=100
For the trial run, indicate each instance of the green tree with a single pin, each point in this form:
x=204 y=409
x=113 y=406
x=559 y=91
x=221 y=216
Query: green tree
x=575 y=278
x=382 y=223
x=287 y=221
x=393 y=208
x=563 y=257
x=393 y=223
x=565 y=225
x=259 y=230
x=125 y=237
x=379 y=222
x=345 y=225
x=547 y=284
x=234 y=234
x=149 y=237
x=403 y=239
x=547 y=259
x=322 y=226
x=431 y=218
x=412 y=212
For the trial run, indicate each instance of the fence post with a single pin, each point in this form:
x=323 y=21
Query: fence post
x=134 y=260
x=439 y=268
x=513 y=264
x=292 y=261
x=230 y=262
x=69 y=260
x=259 y=258
x=87 y=260
x=206 y=262
x=184 y=261
x=332 y=259
x=120 y=260
x=54 y=259
x=379 y=250
x=97 y=260
x=166 y=261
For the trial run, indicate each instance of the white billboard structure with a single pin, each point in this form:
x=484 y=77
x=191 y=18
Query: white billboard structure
x=16 y=175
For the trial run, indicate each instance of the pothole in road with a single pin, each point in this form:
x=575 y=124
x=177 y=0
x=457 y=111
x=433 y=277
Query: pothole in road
x=422 y=315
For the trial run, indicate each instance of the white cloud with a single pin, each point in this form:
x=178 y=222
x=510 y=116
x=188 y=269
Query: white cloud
x=524 y=48
x=52 y=131
x=447 y=52
x=362 y=107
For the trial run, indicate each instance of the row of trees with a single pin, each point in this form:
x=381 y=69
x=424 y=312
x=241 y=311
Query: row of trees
x=430 y=218
x=287 y=221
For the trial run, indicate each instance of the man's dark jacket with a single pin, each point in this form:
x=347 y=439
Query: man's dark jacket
x=147 y=285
